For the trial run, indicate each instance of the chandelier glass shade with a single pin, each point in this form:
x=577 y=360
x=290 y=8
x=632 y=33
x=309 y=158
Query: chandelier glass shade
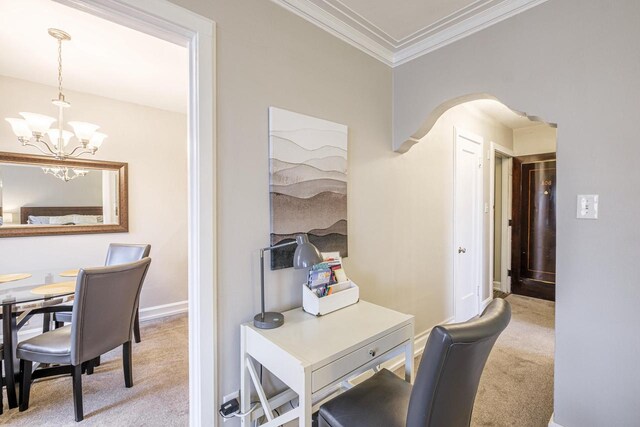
x=35 y=130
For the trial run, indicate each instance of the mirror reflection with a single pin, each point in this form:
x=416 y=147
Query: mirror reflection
x=36 y=195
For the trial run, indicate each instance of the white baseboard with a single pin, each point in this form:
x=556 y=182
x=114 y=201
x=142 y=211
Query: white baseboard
x=553 y=423
x=419 y=342
x=486 y=302
x=146 y=314
x=165 y=310
x=497 y=286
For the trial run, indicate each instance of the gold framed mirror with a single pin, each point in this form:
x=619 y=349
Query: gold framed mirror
x=42 y=196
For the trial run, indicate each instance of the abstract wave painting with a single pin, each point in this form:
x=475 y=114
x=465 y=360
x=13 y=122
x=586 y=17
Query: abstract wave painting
x=308 y=183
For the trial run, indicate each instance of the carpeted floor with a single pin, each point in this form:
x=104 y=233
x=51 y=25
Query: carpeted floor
x=159 y=396
x=516 y=388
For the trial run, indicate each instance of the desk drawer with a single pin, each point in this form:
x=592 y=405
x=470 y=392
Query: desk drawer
x=338 y=368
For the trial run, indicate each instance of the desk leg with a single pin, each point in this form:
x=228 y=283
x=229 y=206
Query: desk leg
x=305 y=404
x=408 y=362
x=10 y=338
x=245 y=381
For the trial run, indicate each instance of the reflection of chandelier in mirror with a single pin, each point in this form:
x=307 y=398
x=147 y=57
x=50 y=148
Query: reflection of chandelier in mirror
x=31 y=129
x=63 y=172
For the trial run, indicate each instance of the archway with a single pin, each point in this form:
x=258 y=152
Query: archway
x=503 y=141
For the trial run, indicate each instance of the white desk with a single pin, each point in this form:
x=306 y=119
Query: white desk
x=314 y=356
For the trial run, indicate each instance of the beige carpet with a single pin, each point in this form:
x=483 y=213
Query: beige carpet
x=159 y=396
x=516 y=388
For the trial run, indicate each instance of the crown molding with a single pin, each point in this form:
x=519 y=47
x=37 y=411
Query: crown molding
x=455 y=27
x=463 y=29
x=333 y=25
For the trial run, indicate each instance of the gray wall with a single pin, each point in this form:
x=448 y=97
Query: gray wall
x=265 y=57
x=574 y=63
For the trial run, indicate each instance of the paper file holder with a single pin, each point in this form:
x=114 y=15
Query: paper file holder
x=319 y=306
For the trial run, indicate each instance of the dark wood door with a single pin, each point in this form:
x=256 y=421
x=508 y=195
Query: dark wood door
x=533 y=264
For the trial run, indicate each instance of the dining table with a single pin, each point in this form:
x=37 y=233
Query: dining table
x=23 y=295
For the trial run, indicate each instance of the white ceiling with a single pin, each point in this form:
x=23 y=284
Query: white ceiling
x=398 y=31
x=102 y=58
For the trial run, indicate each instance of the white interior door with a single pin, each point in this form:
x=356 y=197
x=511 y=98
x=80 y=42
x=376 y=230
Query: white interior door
x=467 y=275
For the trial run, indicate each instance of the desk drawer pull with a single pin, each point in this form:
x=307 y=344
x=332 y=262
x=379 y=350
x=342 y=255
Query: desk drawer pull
x=372 y=353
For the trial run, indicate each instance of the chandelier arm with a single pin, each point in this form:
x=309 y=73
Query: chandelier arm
x=40 y=149
x=72 y=154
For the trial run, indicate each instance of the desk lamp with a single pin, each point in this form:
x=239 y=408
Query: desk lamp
x=304 y=257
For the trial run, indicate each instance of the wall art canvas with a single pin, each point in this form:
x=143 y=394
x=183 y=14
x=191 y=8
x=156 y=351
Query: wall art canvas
x=308 y=183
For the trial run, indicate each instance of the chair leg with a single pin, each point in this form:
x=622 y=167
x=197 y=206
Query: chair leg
x=97 y=361
x=136 y=327
x=127 y=364
x=76 y=374
x=26 y=367
x=90 y=366
x=46 y=322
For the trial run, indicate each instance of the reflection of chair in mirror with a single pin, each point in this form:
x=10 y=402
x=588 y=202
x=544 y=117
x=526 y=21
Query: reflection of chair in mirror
x=118 y=253
x=93 y=331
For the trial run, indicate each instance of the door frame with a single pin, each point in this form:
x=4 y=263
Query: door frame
x=477 y=139
x=505 y=260
x=181 y=26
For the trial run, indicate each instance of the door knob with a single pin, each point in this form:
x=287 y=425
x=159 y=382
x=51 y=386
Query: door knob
x=462 y=250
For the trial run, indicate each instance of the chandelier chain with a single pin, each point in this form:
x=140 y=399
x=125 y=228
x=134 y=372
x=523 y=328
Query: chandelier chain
x=60 y=66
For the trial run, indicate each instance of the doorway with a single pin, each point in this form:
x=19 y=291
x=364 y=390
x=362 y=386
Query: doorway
x=500 y=222
x=468 y=198
x=533 y=263
x=183 y=27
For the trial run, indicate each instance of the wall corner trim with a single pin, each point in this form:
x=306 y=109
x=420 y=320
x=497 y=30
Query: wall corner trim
x=552 y=423
x=340 y=29
x=460 y=30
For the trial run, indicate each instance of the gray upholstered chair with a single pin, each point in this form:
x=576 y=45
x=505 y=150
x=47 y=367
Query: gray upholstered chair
x=102 y=319
x=445 y=387
x=118 y=253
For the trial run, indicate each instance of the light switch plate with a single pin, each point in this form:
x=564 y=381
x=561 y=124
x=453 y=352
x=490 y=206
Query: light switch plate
x=587 y=206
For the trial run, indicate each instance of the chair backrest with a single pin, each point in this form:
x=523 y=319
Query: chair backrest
x=454 y=357
x=104 y=308
x=122 y=253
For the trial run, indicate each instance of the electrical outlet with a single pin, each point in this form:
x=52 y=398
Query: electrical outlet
x=228 y=397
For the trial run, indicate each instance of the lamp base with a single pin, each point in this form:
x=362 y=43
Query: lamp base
x=268 y=320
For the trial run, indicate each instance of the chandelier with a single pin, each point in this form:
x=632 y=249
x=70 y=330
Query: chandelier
x=32 y=128
x=64 y=173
